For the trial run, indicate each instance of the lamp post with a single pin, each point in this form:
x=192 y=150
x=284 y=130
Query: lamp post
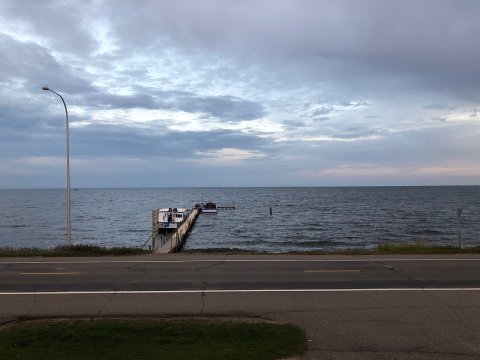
x=69 y=237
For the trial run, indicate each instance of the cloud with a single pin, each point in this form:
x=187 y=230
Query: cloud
x=422 y=43
x=438 y=106
x=356 y=132
x=29 y=66
x=323 y=110
x=353 y=170
x=294 y=124
x=116 y=140
x=227 y=157
x=224 y=108
x=99 y=99
x=55 y=23
x=391 y=175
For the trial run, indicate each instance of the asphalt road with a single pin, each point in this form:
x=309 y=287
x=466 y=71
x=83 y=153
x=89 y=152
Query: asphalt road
x=361 y=307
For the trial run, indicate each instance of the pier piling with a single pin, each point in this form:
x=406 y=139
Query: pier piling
x=154 y=228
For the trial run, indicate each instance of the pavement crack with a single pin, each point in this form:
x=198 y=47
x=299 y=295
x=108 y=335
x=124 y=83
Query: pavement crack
x=209 y=265
x=203 y=296
x=419 y=283
x=109 y=299
x=452 y=311
x=204 y=283
x=34 y=290
x=423 y=347
x=329 y=310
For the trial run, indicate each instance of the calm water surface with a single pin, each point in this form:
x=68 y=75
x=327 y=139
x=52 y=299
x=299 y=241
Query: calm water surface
x=303 y=218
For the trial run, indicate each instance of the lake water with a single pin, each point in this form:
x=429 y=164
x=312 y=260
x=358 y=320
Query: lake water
x=324 y=218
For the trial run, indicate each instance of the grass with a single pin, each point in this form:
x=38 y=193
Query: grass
x=74 y=250
x=150 y=339
x=400 y=249
x=382 y=249
x=420 y=248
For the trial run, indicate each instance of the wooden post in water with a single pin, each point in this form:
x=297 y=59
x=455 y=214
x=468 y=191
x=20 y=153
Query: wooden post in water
x=459 y=215
x=154 y=229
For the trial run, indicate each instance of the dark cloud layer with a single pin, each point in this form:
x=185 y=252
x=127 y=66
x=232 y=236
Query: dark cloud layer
x=115 y=140
x=33 y=66
x=62 y=23
x=432 y=42
x=110 y=101
x=226 y=108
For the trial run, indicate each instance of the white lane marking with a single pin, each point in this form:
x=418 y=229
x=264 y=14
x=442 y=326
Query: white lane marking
x=232 y=260
x=49 y=273
x=331 y=271
x=226 y=291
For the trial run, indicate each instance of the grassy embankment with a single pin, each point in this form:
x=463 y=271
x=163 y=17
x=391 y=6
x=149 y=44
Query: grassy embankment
x=419 y=248
x=150 y=339
x=382 y=249
x=75 y=250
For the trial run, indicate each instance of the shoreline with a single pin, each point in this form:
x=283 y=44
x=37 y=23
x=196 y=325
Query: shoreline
x=97 y=251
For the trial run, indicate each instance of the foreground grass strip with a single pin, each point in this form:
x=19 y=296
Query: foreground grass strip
x=424 y=249
x=150 y=339
x=75 y=250
x=400 y=249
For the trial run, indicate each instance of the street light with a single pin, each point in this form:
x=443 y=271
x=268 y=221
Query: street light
x=69 y=237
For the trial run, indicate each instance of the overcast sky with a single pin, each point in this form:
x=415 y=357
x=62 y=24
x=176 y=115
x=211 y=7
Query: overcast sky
x=240 y=93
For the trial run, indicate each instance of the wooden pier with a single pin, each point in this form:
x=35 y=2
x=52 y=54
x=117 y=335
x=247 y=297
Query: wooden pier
x=164 y=242
x=170 y=243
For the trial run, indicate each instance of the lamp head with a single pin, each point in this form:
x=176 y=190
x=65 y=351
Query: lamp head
x=45 y=87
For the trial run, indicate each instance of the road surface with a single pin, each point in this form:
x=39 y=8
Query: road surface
x=352 y=307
